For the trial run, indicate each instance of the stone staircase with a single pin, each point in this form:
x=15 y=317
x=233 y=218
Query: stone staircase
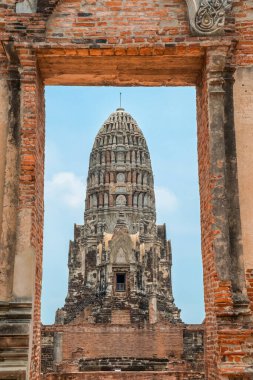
x=121 y=317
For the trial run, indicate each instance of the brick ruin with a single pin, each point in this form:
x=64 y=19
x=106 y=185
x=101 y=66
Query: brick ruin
x=119 y=259
x=203 y=43
x=119 y=312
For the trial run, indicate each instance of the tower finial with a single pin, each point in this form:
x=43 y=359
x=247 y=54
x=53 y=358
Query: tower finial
x=120 y=108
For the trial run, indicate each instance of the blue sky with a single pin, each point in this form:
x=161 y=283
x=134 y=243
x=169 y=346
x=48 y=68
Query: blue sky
x=167 y=117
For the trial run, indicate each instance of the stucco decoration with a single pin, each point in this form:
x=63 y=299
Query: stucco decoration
x=121 y=200
x=121 y=248
x=26 y=6
x=208 y=16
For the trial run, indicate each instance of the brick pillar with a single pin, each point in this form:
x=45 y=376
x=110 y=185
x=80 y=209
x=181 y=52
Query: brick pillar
x=22 y=221
x=9 y=148
x=243 y=111
x=243 y=95
x=15 y=311
x=31 y=195
x=4 y=113
x=224 y=286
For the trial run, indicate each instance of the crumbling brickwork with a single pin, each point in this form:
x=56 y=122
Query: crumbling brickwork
x=47 y=351
x=208 y=45
x=105 y=347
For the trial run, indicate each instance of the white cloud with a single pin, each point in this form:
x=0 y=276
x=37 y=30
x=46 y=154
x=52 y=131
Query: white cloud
x=67 y=188
x=166 y=200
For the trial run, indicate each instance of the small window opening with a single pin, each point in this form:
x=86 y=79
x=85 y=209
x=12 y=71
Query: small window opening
x=120 y=282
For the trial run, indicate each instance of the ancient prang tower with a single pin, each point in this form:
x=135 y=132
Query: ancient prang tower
x=119 y=312
x=120 y=259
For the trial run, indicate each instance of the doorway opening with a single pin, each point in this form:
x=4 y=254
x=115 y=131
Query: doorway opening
x=120 y=282
x=167 y=117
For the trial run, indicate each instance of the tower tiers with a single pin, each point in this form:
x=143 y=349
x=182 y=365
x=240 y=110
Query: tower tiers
x=120 y=260
x=120 y=177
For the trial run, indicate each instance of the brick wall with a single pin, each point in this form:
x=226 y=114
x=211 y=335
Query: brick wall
x=181 y=346
x=125 y=376
x=120 y=340
x=116 y=22
x=47 y=351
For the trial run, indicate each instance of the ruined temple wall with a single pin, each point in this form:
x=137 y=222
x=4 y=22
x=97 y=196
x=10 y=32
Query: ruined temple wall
x=243 y=115
x=243 y=100
x=242 y=14
x=96 y=341
x=181 y=344
x=184 y=375
x=47 y=351
x=118 y=22
x=110 y=24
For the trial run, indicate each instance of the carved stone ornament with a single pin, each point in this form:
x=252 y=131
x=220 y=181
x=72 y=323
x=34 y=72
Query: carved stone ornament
x=208 y=16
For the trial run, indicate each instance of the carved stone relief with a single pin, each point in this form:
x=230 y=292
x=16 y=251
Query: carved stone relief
x=120 y=177
x=121 y=200
x=208 y=16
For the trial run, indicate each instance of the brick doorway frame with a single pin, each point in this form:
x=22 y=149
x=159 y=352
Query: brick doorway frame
x=207 y=68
